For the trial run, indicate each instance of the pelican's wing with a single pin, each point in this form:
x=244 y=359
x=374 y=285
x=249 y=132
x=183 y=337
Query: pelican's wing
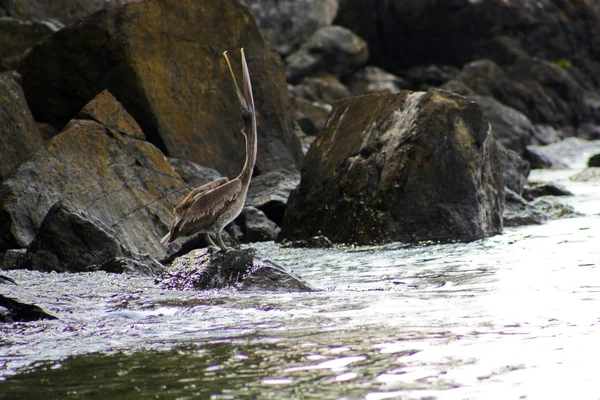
x=185 y=203
x=199 y=212
x=206 y=206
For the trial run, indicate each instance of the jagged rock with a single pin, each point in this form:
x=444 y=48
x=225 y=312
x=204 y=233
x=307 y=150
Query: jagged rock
x=516 y=170
x=509 y=126
x=270 y=192
x=71 y=240
x=16 y=36
x=19 y=136
x=154 y=58
x=193 y=175
x=372 y=79
x=243 y=270
x=288 y=23
x=594 y=161
x=331 y=50
x=518 y=211
x=63 y=11
x=101 y=165
x=533 y=190
x=256 y=226
x=400 y=167
x=12 y=259
x=21 y=312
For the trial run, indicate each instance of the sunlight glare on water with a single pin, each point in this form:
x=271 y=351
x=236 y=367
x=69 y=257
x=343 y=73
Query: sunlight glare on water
x=512 y=316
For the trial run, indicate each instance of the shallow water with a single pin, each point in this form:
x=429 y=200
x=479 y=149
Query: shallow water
x=513 y=316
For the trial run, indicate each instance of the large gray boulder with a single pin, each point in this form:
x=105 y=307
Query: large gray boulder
x=410 y=166
x=99 y=163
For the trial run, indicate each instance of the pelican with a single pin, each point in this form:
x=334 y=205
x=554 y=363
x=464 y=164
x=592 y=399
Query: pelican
x=209 y=208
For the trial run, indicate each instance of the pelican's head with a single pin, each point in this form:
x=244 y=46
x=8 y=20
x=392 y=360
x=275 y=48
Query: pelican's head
x=245 y=98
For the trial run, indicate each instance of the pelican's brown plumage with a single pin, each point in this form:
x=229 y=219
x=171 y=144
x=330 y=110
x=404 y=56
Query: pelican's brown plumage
x=212 y=206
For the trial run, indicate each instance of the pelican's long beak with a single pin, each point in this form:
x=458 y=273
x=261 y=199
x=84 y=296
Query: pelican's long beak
x=246 y=99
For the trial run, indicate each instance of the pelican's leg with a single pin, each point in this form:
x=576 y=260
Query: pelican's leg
x=210 y=242
x=220 y=240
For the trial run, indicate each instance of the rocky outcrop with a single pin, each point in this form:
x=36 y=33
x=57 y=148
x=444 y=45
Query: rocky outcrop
x=331 y=50
x=99 y=163
x=540 y=58
x=288 y=23
x=407 y=167
x=19 y=136
x=154 y=58
x=243 y=270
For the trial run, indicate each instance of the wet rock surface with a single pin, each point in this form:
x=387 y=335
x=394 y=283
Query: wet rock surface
x=243 y=270
x=405 y=167
x=71 y=240
x=152 y=56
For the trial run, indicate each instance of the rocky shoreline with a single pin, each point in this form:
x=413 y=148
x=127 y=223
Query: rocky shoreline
x=419 y=123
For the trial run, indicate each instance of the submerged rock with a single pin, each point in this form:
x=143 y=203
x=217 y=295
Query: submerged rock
x=99 y=163
x=400 y=167
x=163 y=61
x=239 y=269
x=533 y=190
x=518 y=211
x=15 y=311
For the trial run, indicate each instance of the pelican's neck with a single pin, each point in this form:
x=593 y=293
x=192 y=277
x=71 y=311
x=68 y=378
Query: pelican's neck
x=251 y=150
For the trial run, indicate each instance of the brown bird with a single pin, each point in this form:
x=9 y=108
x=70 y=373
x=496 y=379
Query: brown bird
x=211 y=207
